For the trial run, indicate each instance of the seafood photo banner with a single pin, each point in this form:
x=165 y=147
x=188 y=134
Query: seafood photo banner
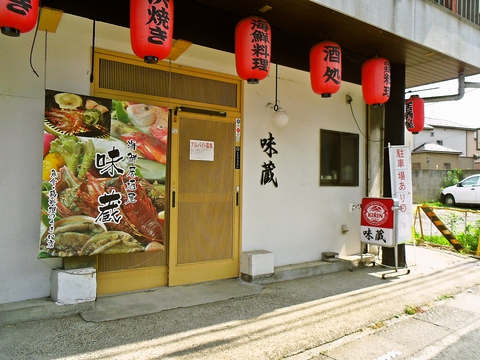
x=103 y=180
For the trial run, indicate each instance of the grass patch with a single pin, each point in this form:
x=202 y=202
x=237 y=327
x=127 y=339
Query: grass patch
x=377 y=325
x=435 y=204
x=445 y=297
x=467 y=233
x=412 y=310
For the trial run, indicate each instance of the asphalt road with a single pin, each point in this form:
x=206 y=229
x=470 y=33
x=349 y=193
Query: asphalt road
x=446 y=330
x=287 y=319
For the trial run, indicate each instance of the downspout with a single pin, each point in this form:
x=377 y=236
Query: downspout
x=461 y=91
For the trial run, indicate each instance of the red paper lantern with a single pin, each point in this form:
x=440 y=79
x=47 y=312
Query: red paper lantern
x=18 y=16
x=325 y=68
x=414 y=114
x=376 y=81
x=252 y=49
x=151 y=29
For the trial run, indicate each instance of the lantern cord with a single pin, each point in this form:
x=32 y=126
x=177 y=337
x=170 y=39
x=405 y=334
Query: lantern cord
x=33 y=43
x=93 y=53
x=275 y=107
x=358 y=126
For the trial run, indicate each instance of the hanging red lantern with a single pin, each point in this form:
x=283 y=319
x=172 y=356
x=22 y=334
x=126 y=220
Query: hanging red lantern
x=414 y=114
x=18 y=16
x=252 y=49
x=151 y=29
x=325 y=68
x=376 y=81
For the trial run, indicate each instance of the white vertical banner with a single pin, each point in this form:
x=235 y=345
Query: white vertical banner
x=401 y=183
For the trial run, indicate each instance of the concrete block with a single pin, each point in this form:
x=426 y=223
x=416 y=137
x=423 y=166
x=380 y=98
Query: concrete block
x=73 y=286
x=330 y=256
x=257 y=262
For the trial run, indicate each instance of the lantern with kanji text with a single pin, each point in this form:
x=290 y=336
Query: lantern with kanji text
x=414 y=114
x=151 y=29
x=18 y=16
x=325 y=68
x=252 y=49
x=376 y=81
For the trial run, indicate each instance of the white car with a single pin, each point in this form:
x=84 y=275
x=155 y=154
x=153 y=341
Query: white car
x=466 y=191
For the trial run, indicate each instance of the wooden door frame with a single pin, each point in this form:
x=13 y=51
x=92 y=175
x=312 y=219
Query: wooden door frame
x=134 y=279
x=211 y=270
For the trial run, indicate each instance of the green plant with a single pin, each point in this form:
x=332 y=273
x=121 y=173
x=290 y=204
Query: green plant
x=452 y=221
x=452 y=177
x=434 y=204
x=445 y=297
x=411 y=310
x=377 y=325
x=469 y=238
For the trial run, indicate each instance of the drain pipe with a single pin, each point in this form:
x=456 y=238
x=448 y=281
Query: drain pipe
x=461 y=91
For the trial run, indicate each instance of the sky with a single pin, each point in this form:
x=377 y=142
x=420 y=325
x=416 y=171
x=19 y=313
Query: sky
x=465 y=111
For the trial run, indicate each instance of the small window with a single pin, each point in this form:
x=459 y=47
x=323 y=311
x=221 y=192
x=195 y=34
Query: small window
x=439 y=142
x=416 y=165
x=446 y=166
x=338 y=158
x=432 y=133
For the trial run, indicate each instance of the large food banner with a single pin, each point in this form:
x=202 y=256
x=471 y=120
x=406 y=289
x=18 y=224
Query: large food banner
x=103 y=188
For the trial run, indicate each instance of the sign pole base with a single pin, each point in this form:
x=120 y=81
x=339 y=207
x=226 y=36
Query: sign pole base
x=407 y=270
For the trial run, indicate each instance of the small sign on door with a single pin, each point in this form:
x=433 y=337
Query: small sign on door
x=201 y=150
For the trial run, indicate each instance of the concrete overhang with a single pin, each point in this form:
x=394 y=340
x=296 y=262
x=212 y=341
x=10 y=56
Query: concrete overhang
x=433 y=43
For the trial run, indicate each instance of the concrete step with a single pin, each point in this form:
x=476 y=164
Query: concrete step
x=38 y=309
x=46 y=308
x=312 y=268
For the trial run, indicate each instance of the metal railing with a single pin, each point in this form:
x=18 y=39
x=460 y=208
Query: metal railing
x=468 y=9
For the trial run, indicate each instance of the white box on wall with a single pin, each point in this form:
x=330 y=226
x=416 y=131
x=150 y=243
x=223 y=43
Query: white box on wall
x=73 y=286
x=257 y=262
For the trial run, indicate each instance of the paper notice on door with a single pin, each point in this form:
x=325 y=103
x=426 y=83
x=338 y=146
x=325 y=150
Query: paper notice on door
x=201 y=150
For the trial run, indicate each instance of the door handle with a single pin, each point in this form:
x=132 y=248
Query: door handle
x=173 y=198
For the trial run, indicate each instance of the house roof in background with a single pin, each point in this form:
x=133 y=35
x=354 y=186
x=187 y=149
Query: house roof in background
x=431 y=123
x=434 y=148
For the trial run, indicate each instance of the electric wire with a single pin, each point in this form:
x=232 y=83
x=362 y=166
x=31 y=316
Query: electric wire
x=33 y=45
x=358 y=126
x=93 y=52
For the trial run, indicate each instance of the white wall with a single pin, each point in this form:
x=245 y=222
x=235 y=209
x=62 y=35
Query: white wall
x=455 y=139
x=296 y=221
x=420 y=21
x=62 y=61
x=21 y=103
x=299 y=219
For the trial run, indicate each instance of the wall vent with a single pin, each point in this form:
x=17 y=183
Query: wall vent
x=119 y=75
